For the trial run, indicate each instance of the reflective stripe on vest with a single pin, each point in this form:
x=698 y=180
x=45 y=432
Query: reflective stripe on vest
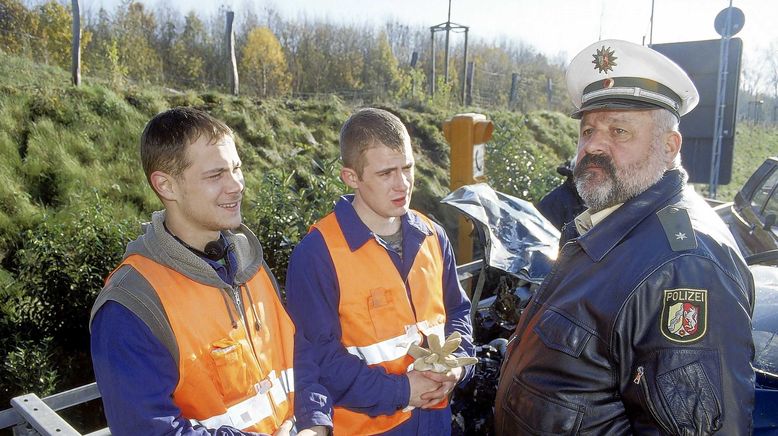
x=378 y=320
x=255 y=409
x=227 y=376
x=395 y=348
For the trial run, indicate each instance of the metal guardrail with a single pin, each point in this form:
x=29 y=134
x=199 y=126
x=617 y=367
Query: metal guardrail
x=468 y=270
x=31 y=415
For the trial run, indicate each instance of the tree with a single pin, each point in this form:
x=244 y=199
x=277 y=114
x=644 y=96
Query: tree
x=186 y=63
x=15 y=25
x=102 y=56
x=53 y=34
x=771 y=66
x=381 y=74
x=263 y=64
x=135 y=30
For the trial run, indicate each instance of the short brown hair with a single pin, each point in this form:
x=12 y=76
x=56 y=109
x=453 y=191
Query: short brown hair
x=368 y=128
x=166 y=136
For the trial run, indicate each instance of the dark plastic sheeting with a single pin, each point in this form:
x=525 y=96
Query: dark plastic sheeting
x=521 y=241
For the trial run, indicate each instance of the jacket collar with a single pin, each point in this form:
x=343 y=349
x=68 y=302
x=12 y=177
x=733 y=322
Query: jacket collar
x=599 y=241
x=160 y=246
x=358 y=234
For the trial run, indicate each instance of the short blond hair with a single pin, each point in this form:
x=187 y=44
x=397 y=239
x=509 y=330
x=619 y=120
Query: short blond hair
x=368 y=128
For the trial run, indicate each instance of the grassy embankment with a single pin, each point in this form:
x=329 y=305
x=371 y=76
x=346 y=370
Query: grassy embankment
x=72 y=191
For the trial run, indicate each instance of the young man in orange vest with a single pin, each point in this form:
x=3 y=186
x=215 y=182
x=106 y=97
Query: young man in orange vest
x=368 y=281
x=189 y=335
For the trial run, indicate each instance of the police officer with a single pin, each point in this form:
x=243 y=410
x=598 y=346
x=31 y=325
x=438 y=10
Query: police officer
x=644 y=325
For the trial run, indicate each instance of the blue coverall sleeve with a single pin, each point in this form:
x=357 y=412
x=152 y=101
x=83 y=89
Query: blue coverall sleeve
x=313 y=296
x=137 y=376
x=457 y=305
x=313 y=403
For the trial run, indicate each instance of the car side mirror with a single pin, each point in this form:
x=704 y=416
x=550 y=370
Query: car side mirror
x=769 y=221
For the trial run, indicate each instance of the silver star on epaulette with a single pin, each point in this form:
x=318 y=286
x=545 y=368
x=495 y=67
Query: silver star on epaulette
x=680 y=236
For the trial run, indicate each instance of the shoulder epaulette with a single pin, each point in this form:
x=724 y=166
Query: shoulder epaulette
x=678 y=228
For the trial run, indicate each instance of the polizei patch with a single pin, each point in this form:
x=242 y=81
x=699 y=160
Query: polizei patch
x=684 y=314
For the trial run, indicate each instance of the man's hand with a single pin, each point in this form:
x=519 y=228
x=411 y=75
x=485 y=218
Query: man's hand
x=447 y=382
x=318 y=430
x=421 y=384
x=284 y=428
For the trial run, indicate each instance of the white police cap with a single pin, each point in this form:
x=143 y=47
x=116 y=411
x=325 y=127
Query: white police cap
x=620 y=75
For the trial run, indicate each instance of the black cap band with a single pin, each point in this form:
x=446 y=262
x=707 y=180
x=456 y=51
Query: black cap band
x=624 y=93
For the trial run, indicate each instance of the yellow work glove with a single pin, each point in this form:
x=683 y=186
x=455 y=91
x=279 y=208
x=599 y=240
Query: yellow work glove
x=438 y=357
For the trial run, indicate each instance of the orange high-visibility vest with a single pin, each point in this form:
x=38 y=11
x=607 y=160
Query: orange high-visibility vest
x=227 y=376
x=376 y=316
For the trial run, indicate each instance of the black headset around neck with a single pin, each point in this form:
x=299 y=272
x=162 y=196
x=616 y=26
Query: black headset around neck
x=216 y=250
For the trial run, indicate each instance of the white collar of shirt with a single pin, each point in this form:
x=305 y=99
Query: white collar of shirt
x=587 y=220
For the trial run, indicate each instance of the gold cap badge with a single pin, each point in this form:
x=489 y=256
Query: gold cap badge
x=604 y=60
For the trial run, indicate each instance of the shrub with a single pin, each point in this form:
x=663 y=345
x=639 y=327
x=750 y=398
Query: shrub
x=286 y=205
x=516 y=164
x=61 y=267
x=28 y=367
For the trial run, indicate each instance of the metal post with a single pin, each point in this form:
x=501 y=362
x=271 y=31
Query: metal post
x=465 y=87
x=447 y=27
x=718 y=130
x=549 y=91
x=414 y=60
x=432 y=62
x=75 y=49
x=651 y=27
x=514 y=89
x=445 y=56
x=469 y=78
x=232 y=68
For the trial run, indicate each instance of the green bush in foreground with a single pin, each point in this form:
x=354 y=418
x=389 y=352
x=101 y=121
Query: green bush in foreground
x=60 y=268
x=62 y=265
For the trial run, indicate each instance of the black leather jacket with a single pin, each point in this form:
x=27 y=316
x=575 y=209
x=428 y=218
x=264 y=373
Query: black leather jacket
x=642 y=327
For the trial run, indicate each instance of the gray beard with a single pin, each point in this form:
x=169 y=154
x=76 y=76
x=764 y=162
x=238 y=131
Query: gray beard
x=618 y=184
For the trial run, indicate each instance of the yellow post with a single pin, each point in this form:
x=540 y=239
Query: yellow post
x=467 y=135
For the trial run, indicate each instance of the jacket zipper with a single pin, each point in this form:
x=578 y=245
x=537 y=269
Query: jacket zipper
x=242 y=310
x=262 y=374
x=640 y=381
x=238 y=304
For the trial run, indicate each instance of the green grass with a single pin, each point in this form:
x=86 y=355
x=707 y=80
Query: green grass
x=753 y=144
x=69 y=167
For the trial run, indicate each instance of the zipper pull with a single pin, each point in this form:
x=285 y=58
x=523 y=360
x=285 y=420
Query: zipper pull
x=638 y=375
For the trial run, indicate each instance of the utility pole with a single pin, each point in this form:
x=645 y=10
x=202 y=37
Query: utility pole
x=730 y=26
x=447 y=27
x=445 y=56
x=651 y=26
